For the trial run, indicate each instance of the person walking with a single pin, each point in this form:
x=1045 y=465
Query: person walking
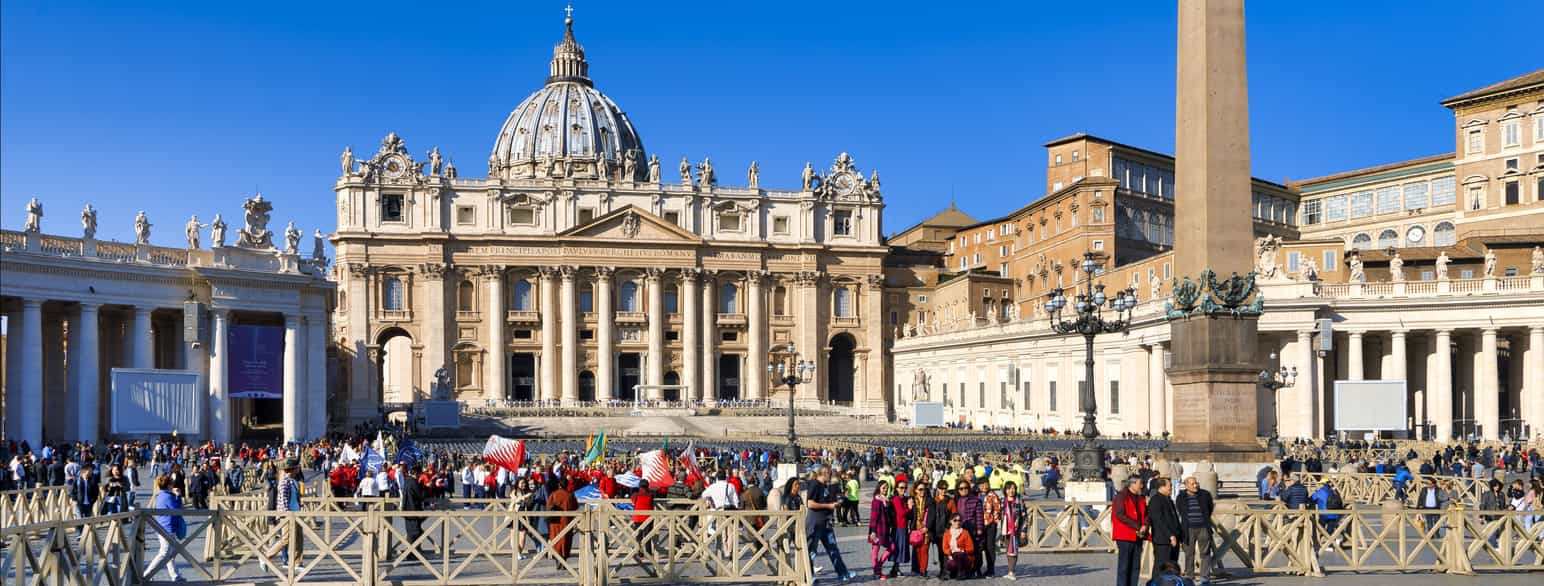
x=166 y=500
x=1012 y=525
x=85 y=490
x=1129 y=528
x=113 y=491
x=1195 y=511
x=559 y=499
x=849 y=513
x=1327 y=499
x=822 y=502
x=287 y=498
x=881 y=535
x=1167 y=531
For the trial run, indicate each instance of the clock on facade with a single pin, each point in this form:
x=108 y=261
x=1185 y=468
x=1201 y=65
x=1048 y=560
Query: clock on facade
x=395 y=166
x=844 y=183
x=1416 y=234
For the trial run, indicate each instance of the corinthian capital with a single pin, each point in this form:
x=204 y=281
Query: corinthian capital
x=433 y=271
x=653 y=273
x=604 y=273
x=491 y=272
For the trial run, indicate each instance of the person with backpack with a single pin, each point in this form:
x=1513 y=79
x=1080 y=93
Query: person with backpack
x=1329 y=499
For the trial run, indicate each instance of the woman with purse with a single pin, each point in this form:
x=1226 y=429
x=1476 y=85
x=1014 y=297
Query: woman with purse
x=881 y=536
x=1012 y=525
x=917 y=528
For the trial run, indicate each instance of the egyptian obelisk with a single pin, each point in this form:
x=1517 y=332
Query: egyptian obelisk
x=1213 y=366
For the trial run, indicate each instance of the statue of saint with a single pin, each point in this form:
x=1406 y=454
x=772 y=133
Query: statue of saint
x=141 y=229
x=1490 y=263
x=754 y=175
x=1358 y=275
x=873 y=183
x=1442 y=264
x=809 y=176
x=88 y=222
x=347 y=161
x=435 y=161
x=1538 y=261
x=217 y=232
x=706 y=170
x=34 y=223
x=291 y=239
x=630 y=165
x=602 y=166
x=318 y=248
x=191 y=231
x=653 y=168
x=441 y=390
x=1396 y=268
x=686 y=172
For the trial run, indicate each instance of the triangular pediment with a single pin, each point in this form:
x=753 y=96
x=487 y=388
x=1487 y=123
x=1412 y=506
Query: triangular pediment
x=631 y=223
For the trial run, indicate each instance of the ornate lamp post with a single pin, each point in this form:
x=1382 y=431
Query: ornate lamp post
x=786 y=368
x=1088 y=321
x=1275 y=381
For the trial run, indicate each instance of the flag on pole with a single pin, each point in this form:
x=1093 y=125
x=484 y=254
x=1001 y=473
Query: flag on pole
x=689 y=462
x=505 y=453
x=409 y=453
x=349 y=455
x=596 y=449
x=656 y=469
x=372 y=460
x=380 y=443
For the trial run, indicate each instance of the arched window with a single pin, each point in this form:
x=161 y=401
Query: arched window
x=729 y=298
x=629 y=295
x=391 y=294
x=1361 y=242
x=1444 y=235
x=522 y=301
x=843 y=302
x=780 y=300
x=1388 y=239
x=464 y=296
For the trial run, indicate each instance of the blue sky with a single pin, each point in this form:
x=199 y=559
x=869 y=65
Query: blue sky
x=183 y=107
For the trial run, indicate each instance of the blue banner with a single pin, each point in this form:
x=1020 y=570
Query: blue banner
x=254 y=365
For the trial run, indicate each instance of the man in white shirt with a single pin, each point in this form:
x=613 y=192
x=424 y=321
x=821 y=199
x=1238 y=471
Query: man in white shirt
x=721 y=495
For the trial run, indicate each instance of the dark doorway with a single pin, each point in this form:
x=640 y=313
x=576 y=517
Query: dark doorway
x=672 y=379
x=522 y=369
x=729 y=377
x=839 y=369
x=629 y=376
x=586 y=386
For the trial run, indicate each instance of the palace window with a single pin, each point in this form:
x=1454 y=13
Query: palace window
x=1444 y=235
x=1476 y=197
x=1511 y=133
x=780 y=225
x=1114 y=397
x=843 y=302
x=391 y=294
x=465 y=297
x=1513 y=192
x=1293 y=258
x=628 y=294
x=842 y=223
x=1051 y=392
x=522 y=301
x=1476 y=140
x=729 y=298
x=1331 y=261
x=1442 y=191
x=391 y=207
x=729 y=222
x=1415 y=195
x=1538 y=127
x=1388 y=239
x=1361 y=204
x=1074 y=156
x=1335 y=208
x=673 y=217
x=464 y=372
x=522 y=216
x=1313 y=212
x=1511 y=164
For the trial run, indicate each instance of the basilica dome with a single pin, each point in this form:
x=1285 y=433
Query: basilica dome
x=567 y=128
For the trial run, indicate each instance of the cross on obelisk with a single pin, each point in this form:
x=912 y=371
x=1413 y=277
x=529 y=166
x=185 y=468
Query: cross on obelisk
x=1213 y=369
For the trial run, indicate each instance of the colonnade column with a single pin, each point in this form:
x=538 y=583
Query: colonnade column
x=654 y=370
x=29 y=401
x=605 y=377
x=292 y=416
x=1533 y=369
x=494 y=379
x=219 y=390
x=1397 y=368
x=570 y=350
x=1134 y=364
x=1354 y=360
x=1156 y=378
x=315 y=407
x=12 y=378
x=549 y=335
x=1304 y=393
x=1439 y=386
x=88 y=409
x=144 y=339
x=709 y=338
x=687 y=295
x=1487 y=406
x=756 y=377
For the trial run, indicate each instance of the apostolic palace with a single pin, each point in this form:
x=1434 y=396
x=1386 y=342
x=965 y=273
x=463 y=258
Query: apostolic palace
x=587 y=271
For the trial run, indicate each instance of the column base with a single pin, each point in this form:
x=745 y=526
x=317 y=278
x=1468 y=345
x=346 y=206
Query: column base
x=1082 y=491
x=1234 y=462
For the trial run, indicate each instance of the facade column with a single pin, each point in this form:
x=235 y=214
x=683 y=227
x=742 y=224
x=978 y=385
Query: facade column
x=364 y=400
x=709 y=338
x=1135 y=409
x=1302 y=399
x=605 y=376
x=1156 y=409
x=28 y=402
x=144 y=339
x=436 y=314
x=755 y=378
x=494 y=379
x=654 y=368
x=195 y=359
x=292 y=402
x=1354 y=360
x=570 y=310
x=1487 y=406
x=687 y=294
x=812 y=334
x=1397 y=366
x=1439 y=386
x=219 y=389
x=1533 y=369
x=315 y=408
x=549 y=335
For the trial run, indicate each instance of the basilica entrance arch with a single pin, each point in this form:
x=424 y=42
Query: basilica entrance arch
x=396 y=366
x=839 y=369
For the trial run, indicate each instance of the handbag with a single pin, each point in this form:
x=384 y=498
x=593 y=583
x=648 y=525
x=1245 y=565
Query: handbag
x=917 y=538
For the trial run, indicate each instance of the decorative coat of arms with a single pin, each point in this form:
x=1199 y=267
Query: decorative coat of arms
x=630 y=225
x=256 y=233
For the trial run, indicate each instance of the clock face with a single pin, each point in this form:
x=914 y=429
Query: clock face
x=395 y=166
x=844 y=183
x=1417 y=234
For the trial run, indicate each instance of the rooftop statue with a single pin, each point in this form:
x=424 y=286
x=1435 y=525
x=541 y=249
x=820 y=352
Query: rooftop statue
x=346 y=160
x=653 y=168
x=217 y=232
x=141 y=229
x=88 y=221
x=256 y=233
x=291 y=239
x=1442 y=264
x=34 y=223
x=753 y=175
x=191 y=231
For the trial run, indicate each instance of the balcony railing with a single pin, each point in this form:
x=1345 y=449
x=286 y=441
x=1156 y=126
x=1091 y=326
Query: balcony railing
x=467 y=315
x=631 y=317
x=845 y=321
x=269 y=260
x=396 y=314
x=731 y=319
x=523 y=316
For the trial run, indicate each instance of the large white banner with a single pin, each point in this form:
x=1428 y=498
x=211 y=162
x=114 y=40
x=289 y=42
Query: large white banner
x=155 y=402
x=1370 y=405
x=927 y=414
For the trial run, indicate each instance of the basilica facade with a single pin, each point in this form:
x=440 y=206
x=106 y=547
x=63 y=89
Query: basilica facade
x=576 y=273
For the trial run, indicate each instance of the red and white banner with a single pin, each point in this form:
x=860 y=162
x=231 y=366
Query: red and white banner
x=656 y=469
x=689 y=462
x=505 y=453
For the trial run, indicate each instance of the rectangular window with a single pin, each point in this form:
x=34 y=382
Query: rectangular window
x=391 y=207
x=465 y=215
x=1335 y=208
x=1415 y=195
x=669 y=297
x=991 y=234
x=1513 y=191
x=1361 y=204
x=1388 y=199
x=586 y=215
x=962 y=393
x=1511 y=133
x=523 y=334
x=522 y=216
x=1024 y=382
x=1114 y=397
x=780 y=225
x=672 y=336
x=1002 y=251
x=1331 y=261
x=1511 y=164
x=1538 y=128
x=586 y=334
x=841 y=223
x=981 y=393
x=1292 y=260
x=1051 y=394
x=729 y=222
x=1312 y=212
x=1098 y=245
x=1466 y=274
x=1443 y=190
x=673 y=217
x=1476 y=141
x=1428 y=276
x=728 y=336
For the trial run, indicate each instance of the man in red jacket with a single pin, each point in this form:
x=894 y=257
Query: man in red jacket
x=1130 y=529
